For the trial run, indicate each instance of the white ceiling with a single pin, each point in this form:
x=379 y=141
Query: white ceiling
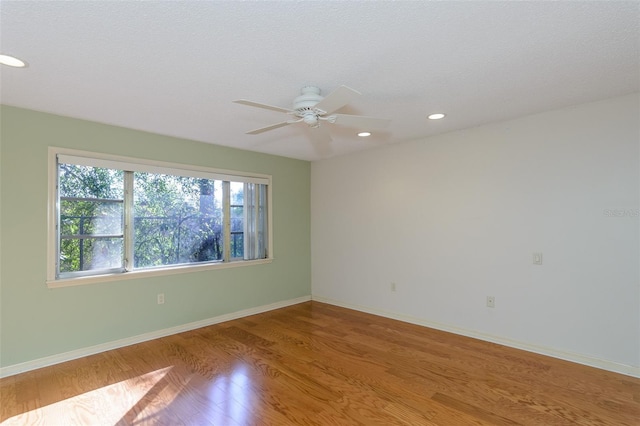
x=174 y=68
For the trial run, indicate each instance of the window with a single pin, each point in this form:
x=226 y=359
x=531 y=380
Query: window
x=114 y=215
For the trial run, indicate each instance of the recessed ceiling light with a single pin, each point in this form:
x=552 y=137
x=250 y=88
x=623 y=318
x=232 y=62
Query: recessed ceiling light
x=364 y=134
x=436 y=116
x=12 y=61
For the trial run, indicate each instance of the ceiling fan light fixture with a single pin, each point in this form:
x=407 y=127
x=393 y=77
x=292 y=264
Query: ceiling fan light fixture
x=364 y=134
x=310 y=119
x=12 y=61
x=436 y=116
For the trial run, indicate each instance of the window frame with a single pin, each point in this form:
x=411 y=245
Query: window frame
x=140 y=164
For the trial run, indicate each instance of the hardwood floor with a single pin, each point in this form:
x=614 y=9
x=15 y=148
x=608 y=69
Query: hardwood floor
x=317 y=364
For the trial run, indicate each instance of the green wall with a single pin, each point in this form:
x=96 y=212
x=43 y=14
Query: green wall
x=37 y=322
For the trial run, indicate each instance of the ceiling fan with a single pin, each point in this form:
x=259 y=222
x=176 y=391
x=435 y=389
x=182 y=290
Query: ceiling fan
x=314 y=110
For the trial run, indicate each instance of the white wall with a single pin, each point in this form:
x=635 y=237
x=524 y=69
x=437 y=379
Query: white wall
x=454 y=218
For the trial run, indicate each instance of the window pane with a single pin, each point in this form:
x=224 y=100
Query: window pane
x=177 y=220
x=91 y=206
x=255 y=202
x=237 y=219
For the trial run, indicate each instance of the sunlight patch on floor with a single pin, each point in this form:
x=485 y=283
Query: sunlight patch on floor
x=106 y=405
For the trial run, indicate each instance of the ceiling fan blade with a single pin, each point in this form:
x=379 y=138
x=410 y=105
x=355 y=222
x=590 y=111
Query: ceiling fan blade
x=259 y=105
x=361 y=122
x=266 y=129
x=337 y=99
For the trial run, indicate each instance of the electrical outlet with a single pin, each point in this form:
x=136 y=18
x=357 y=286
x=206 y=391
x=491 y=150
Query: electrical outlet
x=491 y=302
x=537 y=258
x=393 y=286
x=160 y=298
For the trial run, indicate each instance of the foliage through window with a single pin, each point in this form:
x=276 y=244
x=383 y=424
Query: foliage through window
x=114 y=217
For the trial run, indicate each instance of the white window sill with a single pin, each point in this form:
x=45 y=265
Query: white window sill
x=148 y=273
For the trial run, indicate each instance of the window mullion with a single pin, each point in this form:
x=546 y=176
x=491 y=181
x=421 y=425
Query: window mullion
x=246 y=228
x=226 y=220
x=128 y=221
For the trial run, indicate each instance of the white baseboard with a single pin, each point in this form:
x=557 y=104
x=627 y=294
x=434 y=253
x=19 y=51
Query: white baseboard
x=103 y=347
x=567 y=356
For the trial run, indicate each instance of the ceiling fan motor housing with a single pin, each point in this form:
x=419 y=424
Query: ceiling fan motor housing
x=309 y=98
x=304 y=105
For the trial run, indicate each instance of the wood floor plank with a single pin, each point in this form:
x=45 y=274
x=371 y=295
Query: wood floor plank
x=8 y=402
x=318 y=364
